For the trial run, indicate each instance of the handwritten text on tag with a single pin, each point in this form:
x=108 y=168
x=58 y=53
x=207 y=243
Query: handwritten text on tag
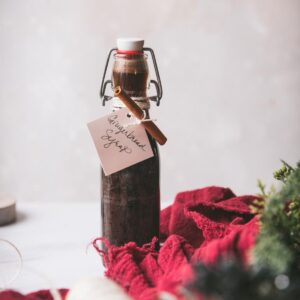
x=119 y=141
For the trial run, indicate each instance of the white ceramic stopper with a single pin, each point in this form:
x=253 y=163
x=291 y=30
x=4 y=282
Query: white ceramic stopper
x=130 y=44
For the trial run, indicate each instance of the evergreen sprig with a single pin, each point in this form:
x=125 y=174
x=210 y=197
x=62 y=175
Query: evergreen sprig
x=284 y=172
x=278 y=244
x=259 y=204
x=231 y=280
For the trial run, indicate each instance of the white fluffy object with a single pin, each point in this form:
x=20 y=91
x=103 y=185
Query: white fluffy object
x=96 y=288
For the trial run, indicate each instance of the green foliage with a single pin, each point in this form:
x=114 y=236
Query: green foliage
x=231 y=280
x=263 y=192
x=284 y=172
x=278 y=244
x=259 y=204
x=270 y=251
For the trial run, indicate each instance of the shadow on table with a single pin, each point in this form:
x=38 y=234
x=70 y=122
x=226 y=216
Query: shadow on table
x=21 y=216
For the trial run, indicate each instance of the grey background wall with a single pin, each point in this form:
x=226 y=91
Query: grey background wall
x=231 y=77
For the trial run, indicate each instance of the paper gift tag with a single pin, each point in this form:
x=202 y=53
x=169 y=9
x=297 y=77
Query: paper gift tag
x=119 y=141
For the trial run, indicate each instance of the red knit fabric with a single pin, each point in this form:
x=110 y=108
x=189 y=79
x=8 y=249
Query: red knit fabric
x=201 y=225
x=39 y=295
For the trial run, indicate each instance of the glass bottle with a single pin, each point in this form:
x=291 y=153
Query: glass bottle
x=130 y=198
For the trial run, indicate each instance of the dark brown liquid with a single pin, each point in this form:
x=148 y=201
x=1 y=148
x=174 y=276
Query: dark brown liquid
x=134 y=84
x=131 y=202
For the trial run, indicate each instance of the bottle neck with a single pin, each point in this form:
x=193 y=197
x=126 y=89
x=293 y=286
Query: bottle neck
x=142 y=102
x=131 y=73
x=116 y=108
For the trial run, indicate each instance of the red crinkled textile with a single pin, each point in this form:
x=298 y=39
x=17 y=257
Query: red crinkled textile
x=201 y=225
x=39 y=295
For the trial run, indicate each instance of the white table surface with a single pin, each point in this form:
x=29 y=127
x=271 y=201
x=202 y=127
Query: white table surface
x=52 y=238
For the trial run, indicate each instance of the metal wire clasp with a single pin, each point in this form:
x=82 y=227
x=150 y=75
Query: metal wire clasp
x=156 y=83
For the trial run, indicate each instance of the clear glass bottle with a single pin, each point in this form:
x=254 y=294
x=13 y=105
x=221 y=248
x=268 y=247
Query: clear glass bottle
x=130 y=198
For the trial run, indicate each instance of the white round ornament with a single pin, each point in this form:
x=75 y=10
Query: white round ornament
x=96 y=288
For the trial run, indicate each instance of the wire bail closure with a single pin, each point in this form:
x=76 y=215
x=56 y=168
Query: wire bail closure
x=156 y=83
